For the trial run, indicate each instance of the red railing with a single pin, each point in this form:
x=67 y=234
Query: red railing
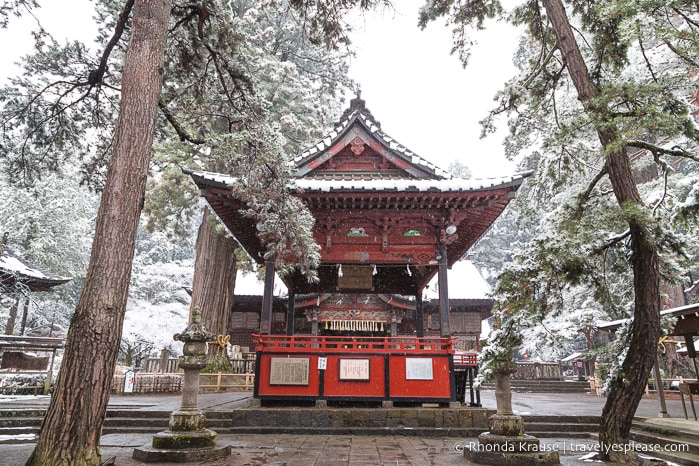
x=466 y=359
x=386 y=345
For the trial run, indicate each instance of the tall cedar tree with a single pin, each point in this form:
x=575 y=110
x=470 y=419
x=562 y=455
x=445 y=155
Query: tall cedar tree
x=71 y=430
x=627 y=387
x=558 y=57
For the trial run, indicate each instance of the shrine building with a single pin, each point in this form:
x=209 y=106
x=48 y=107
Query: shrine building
x=388 y=223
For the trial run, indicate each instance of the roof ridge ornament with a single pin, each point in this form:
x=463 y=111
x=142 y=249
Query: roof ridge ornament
x=358 y=106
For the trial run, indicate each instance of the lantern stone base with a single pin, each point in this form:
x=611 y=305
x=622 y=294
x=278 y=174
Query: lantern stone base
x=507 y=445
x=508 y=425
x=510 y=451
x=186 y=441
x=182 y=447
x=187 y=420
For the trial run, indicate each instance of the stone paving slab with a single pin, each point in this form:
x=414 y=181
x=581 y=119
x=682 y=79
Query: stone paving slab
x=396 y=450
x=318 y=450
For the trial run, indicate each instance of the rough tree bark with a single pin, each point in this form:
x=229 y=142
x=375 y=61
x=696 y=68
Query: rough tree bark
x=627 y=387
x=72 y=427
x=214 y=276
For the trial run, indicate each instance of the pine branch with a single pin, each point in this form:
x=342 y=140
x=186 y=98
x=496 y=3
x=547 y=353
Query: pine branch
x=584 y=196
x=181 y=132
x=657 y=151
x=96 y=76
x=645 y=58
x=613 y=241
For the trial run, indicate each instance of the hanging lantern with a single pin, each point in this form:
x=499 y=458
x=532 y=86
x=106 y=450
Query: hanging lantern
x=382 y=326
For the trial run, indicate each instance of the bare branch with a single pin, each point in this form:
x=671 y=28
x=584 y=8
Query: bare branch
x=96 y=76
x=181 y=132
x=675 y=151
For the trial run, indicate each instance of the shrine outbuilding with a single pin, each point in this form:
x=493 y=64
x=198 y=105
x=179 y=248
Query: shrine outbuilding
x=388 y=223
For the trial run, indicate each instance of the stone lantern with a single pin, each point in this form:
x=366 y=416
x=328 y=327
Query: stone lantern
x=506 y=443
x=187 y=438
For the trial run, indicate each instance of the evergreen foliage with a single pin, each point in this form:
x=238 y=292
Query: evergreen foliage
x=244 y=88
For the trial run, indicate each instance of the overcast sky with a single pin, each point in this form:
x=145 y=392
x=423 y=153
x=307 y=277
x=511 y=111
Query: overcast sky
x=420 y=93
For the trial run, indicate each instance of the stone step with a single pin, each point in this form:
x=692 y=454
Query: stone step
x=14 y=413
x=20 y=421
x=561 y=428
x=542 y=386
x=650 y=434
x=581 y=419
x=14 y=435
x=462 y=432
x=399 y=421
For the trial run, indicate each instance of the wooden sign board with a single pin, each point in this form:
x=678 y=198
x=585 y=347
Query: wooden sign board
x=289 y=371
x=356 y=278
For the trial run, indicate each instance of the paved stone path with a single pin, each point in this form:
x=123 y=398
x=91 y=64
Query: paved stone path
x=318 y=450
x=302 y=450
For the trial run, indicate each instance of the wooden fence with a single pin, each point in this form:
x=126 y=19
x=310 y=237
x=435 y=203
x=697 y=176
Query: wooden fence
x=244 y=363
x=222 y=382
x=149 y=383
x=538 y=371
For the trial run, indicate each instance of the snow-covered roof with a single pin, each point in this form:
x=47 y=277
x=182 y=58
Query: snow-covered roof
x=14 y=268
x=451 y=185
x=464 y=281
x=375 y=129
x=576 y=355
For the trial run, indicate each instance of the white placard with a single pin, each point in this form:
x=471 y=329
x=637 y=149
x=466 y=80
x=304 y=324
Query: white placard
x=322 y=364
x=129 y=379
x=418 y=369
x=354 y=369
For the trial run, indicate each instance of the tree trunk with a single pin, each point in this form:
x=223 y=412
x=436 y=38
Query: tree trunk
x=10 y=326
x=214 y=276
x=71 y=430
x=627 y=387
x=25 y=312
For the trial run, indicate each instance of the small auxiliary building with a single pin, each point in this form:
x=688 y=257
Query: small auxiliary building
x=387 y=221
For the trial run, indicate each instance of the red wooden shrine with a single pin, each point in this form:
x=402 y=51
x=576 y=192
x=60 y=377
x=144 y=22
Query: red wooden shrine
x=387 y=221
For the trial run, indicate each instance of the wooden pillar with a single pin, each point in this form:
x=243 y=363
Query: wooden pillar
x=314 y=325
x=419 y=316
x=25 y=311
x=10 y=327
x=267 y=299
x=290 y=312
x=443 y=290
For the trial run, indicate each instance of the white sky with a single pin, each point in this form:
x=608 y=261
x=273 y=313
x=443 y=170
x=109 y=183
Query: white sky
x=420 y=93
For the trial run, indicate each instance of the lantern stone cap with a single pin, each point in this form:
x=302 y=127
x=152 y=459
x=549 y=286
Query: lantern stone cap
x=195 y=331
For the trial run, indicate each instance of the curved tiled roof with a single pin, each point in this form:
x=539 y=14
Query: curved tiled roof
x=359 y=114
x=402 y=185
x=15 y=269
